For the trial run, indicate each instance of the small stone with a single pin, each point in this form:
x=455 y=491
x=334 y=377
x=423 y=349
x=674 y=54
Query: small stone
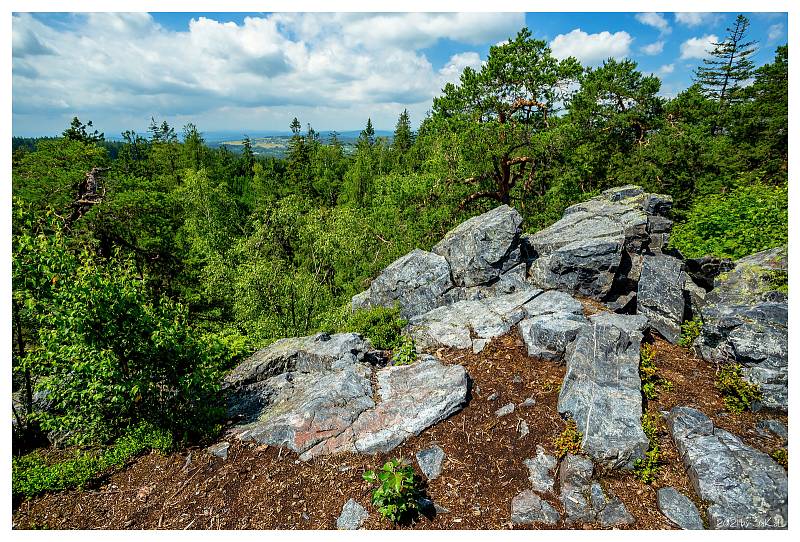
x=352 y=516
x=219 y=449
x=493 y=396
x=504 y=410
x=517 y=379
x=527 y=507
x=679 y=509
x=529 y=402
x=540 y=470
x=430 y=461
x=478 y=345
x=524 y=430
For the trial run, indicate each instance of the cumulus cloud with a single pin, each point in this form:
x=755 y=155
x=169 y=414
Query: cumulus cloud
x=775 y=33
x=666 y=69
x=118 y=66
x=656 y=20
x=591 y=48
x=654 y=48
x=698 y=47
x=693 y=19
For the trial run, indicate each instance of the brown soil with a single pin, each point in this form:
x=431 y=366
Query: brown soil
x=261 y=487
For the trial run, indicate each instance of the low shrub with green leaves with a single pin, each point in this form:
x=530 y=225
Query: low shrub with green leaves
x=397 y=491
x=406 y=353
x=381 y=325
x=652 y=382
x=738 y=393
x=781 y=455
x=646 y=469
x=690 y=330
x=569 y=441
x=33 y=475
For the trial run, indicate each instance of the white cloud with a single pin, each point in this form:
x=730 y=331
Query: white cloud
x=666 y=69
x=654 y=48
x=775 y=33
x=698 y=47
x=115 y=67
x=591 y=48
x=692 y=19
x=656 y=20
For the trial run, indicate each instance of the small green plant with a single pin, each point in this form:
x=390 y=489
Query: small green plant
x=781 y=455
x=406 y=353
x=397 y=492
x=569 y=441
x=646 y=469
x=381 y=325
x=32 y=475
x=648 y=371
x=690 y=330
x=737 y=393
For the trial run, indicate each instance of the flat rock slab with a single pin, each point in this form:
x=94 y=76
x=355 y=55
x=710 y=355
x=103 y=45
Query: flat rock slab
x=430 y=461
x=416 y=282
x=352 y=517
x=458 y=324
x=660 y=294
x=745 y=320
x=480 y=249
x=528 y=508
x=679 y=509
x=314 y=353
x=745 y=488
x=411 y=399
x=584 y=500
x=602 y=389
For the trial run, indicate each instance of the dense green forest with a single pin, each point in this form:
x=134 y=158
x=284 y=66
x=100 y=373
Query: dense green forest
x=136 y=288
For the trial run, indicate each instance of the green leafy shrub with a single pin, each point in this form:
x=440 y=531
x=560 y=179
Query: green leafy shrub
x=32 y=475
x=646 y=469
x=690 y=330
x=397 y=492
x=381 y=325
x=569 y=441
x=648 y=371
x=781 y=455
x=750 y=218
x=406 y=353
x=737 y=393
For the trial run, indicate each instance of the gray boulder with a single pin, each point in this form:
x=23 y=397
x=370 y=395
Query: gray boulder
x=776 y=428
x=219 y=449
x=411 y=399
x=553 y=322
x=602 y=389
x=660 y=294
x=594 y=240
x=482 y=248
x=352 y=517
x=456 y=325
x=745 y=488
x=320 y=352
x=540 y=470
x=416 y=282
x=430 y=461
x=679 y=509
x=528 y=508
x=584 y=500
x=745 y=321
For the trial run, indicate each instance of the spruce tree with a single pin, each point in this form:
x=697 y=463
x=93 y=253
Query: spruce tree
x=368 y=133
x=402 y=133
x=722 y=76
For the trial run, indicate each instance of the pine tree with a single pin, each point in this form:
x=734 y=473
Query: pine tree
x=722 y=75
x=403 y=138
x=368 y=133
x=77 y=131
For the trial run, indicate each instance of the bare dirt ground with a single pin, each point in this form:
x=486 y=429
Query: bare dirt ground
x=261 y=487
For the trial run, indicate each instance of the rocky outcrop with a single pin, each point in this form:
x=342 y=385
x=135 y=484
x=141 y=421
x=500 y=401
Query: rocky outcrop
x=482 y=248
x=660 y=295
x=584 y=500
x=416 y=282
x=679 y=509
x=326 y=404
x=458 y=324
x=602 y=389
x=599 y=243
x=745 y=321
x=744 y=488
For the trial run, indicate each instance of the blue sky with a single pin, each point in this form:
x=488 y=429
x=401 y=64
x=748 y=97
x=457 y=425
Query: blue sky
x=255 y=71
